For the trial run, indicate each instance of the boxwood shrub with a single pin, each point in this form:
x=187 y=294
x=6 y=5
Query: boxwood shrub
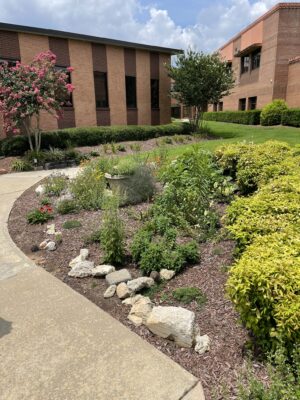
x=272 y=112
x=291 y=117
x=92 y=136
x=251 y=117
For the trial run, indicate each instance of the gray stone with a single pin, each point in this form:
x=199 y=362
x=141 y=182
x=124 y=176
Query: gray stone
x=166 y=274
x=51 y=246
x=102 y=270
x=132 y=300
x=140 y=283
x=174 y=323
x=83 y=255
x=82 y=269
x=140 y=311
x=110 y=291
x=123 y=275
x=202 y=344
x=40 y=190
x=122 y=291
x=155 y=276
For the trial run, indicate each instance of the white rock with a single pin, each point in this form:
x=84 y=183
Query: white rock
x=166 y=274
x=50 y=229
x=83 y=255
x=51 y=246
x=40 y=190
x=44 y=244
x=123 y=275
x=202 y=344
x=140 y=283
x=130 y=301
x=174 y=323
x=122 y=291
x=102 y=270
x=140 y=311
x=110 y=291
x=82 y=269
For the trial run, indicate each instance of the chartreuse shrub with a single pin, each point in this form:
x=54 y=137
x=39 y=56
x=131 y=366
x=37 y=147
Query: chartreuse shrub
x=253 y=165
x=264 y=286
x=271 y=114
x=273 y=208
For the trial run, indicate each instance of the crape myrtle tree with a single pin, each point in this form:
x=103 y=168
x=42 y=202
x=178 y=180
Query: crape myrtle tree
x=26 y=90
x=199 y=80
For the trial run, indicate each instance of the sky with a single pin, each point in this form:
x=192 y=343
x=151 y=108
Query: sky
x=197 y=24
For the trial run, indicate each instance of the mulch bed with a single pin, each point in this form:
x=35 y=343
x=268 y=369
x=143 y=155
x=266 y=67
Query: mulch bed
x=218 y=368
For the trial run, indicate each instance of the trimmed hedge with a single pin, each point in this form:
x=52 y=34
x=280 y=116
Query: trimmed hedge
x=272 y=112
x=92 y=136
x=251 y=117
x=291 y=117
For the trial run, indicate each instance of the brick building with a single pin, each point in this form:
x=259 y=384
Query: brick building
x=265 y=58
x=116 y=82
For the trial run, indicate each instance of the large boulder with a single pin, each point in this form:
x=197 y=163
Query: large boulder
x=140 y=283
x=83 y=255
x=82 y=269
x=114 y=278
x=140 y=311
x=174 y=323
x=122 y=291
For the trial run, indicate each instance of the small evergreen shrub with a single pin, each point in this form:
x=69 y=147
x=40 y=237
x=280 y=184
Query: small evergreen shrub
x=271 y=114
x=251 y=117
x=188 y=294
x=67 y=207
x=291 y=117
x=94 y=237
x=71 y=224
x=158 y=256
x=112 y=236
x=190 y=252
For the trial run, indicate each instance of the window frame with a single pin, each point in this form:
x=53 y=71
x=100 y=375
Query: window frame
x=255 y=59
x=242 y=101
x=245 y=68
x=250 y=103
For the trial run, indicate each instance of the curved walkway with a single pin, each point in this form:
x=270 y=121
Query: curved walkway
x=57 y=345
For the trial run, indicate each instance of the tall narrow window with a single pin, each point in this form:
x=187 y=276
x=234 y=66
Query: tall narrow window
x=255 y=59
x=69 y=100
x=131 y=91
x=220 y=107
x=252 y=103
x=242 y=104
x=154 y=93
x=245 y=64
x=215 y=106
x=101 y=93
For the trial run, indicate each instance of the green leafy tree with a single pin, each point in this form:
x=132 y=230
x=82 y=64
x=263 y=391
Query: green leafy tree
x=200 y=79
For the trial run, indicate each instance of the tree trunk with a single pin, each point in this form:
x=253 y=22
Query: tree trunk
x=37 y=134
x=26 y=124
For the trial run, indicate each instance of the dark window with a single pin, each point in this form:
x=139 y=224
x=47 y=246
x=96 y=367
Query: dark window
x=229 y=65
x=175 y=112
x=242 y=104
x=252 y=103
x=131 y=91
x=154 y=93
x=215 y=107
x=10 y=62
x=220 y=108
x=69 y=100
x=255 y=59
x=245 y=64
x=101 y=93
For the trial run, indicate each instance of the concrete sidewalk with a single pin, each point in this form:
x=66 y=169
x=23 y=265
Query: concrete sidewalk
x=57 y=345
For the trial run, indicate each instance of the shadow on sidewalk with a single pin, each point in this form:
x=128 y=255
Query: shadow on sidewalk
x=5 y=327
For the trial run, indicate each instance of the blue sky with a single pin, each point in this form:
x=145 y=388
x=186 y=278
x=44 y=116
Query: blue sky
x=196 y=24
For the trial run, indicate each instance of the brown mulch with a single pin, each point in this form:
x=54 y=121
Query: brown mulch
x=217 y=369
x=5 y=163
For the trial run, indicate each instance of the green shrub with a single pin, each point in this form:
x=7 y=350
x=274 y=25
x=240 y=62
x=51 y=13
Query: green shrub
x=140 y=243
x=21 y=165
x=46 y=201
x=188 y=294
x=39 y=215
x=112 y=236
x=283 y=382
x=252 y=165
x=272 y=112
x=67 y=206
x=264 y=286
x=71 y=224
x=251 y=117
x=190 y=252
x=94 y=237
x=291 y=117
x=55 y=184
x=14 y=146
x=121 y=147
x=88 y=187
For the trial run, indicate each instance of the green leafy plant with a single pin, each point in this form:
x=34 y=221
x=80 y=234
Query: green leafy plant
x=40 y=215
x=21 y=165
x=94 y=237
x=71 y=224
x=190 y=252
x=55 y=184
x=113 y=148
x=94 y=153
x=188 y=294
x=112 y=236
x=271 y=113
x=67 y=206
x=121 y=147
x=135 y=147
x=46 y=201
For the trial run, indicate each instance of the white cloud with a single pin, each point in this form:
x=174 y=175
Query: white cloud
x=129 y=20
